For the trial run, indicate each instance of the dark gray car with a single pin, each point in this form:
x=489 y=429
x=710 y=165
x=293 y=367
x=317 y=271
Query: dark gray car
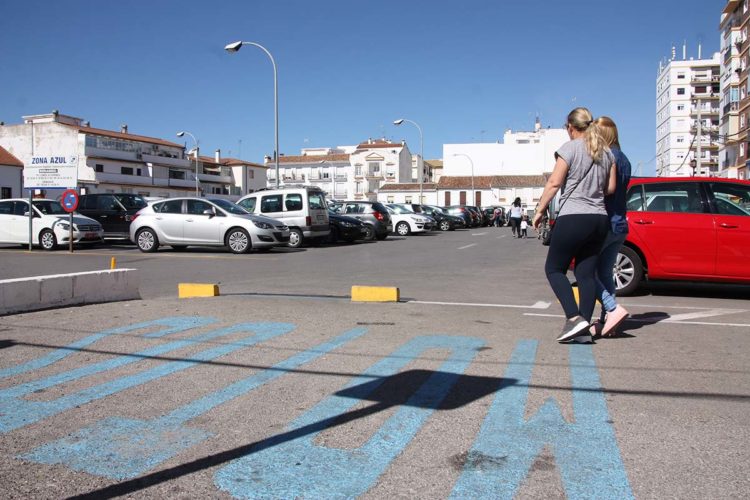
x=373 y=214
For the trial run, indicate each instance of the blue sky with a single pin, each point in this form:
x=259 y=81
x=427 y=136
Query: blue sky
x=465 y=71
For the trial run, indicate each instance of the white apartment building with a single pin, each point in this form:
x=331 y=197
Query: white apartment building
x=110 y=161
x=485 y=174
x=346 y=172
x=688 y=116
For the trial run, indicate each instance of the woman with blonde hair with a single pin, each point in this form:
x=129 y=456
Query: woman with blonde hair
x=585 y=172
x=612 y=313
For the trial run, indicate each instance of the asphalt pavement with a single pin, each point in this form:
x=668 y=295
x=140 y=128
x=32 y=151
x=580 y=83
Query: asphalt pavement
x=284 y=388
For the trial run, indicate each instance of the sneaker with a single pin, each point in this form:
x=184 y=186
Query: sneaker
x=574 y=327
x=596 y=328
x=614 y=318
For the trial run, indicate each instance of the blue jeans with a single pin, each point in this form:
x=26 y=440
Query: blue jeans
x=605 y=281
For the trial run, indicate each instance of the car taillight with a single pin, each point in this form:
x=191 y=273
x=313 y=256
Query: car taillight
x=134 y=216
x=308 y=221
x=378 y=215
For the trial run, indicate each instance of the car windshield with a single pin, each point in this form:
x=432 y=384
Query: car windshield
x=49 y=207
x=228 y=206
x=131 y=201
x=400 y=210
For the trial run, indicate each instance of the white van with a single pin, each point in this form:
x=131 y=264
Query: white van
x=303 y=209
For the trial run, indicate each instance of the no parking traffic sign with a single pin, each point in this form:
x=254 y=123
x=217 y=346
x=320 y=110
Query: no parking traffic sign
x=69 y=200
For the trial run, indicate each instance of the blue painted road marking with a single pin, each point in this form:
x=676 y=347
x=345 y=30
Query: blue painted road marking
x=19 y=412
x=291 y=465
x=122 y=448
x=173 y=325
x=586 y=451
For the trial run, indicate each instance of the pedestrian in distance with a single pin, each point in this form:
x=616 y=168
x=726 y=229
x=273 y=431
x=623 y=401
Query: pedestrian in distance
x=515 y=217
x=497 y=215
x=585 y=171
x=524 y=226
x=612 y=314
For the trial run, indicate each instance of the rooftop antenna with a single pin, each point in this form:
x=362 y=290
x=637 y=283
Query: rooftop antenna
x=700 y=47
x=684 y=50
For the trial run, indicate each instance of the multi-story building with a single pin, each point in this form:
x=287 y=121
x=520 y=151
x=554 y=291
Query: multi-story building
x=688 y=116
x=734 y=70
x=346 y=172
x=111 y=161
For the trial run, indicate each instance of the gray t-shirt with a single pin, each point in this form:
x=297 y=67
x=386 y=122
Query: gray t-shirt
x=583 y=196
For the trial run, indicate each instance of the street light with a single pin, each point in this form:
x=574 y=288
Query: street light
x=197 y=151
x=472 y=175
x=421 y=152
x=234 y=47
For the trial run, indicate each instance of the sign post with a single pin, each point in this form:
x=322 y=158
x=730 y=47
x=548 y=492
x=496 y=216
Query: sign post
x=69 y=202
x=53 y=171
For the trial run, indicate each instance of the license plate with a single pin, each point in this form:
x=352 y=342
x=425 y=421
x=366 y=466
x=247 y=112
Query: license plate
x=89 y=235
x=321 y=217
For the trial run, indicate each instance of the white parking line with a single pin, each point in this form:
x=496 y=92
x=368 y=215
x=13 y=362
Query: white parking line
x=536 y=305
x=478 y=234
x=652 y=321
x=467 y=246
x=502 y=236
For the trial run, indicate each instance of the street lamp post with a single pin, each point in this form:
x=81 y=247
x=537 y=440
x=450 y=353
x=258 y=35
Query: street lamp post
x=197 y=152
x=421 y=153
x=472 y=175
x=234 y=47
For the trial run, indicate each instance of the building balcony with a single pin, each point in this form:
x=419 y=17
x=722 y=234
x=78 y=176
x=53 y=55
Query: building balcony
x=341 y=178
x=702 y=80
x=221 y=179
x=114 y=154
x=358 y=196
x=704 y=112
x=707 y=96
x=167 y=161
x=358 y=175
x=705 y=146
x=322 y=180
x=374 y=175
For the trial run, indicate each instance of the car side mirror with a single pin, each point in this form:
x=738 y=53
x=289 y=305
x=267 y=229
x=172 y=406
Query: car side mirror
x=209 y=212
x=35 y=216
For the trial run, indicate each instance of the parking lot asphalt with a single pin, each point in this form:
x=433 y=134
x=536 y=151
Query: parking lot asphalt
x=282 y=387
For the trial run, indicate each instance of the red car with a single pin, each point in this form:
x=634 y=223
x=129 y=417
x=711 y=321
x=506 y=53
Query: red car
x=685 y=228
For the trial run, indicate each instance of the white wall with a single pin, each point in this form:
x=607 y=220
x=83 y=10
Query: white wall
x=509 y=158
x=10 y=177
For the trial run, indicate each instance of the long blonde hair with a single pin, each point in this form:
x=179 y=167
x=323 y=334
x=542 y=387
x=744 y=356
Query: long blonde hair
x=582 y=120
x=608 y=130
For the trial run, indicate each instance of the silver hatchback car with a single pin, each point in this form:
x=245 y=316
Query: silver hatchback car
x=181 y=222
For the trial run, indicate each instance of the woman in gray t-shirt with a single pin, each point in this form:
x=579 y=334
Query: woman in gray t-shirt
x=584 y=173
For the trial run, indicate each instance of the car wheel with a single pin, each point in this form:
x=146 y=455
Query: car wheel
x=48 y=240
x=238 y=241
x=369 y=232
x=333 y=236
x=147 y=240
x=628 y=271
x=179 y=248
x=445 y=225
x=295 y=238
x=402 y=228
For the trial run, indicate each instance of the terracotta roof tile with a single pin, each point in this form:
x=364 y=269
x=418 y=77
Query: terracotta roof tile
x=8 y=159
x=120 y=135
x=491 y=181
x=310 y=158
x=379 y=144
x=412 y=186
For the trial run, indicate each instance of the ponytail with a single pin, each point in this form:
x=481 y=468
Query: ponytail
x=581 y=120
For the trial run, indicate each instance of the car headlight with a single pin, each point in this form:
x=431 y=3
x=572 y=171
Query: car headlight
x=262 y=225
x=64 y=226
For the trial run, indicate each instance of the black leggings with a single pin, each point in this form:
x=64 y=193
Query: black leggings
x=515 y=225
x=578 y=236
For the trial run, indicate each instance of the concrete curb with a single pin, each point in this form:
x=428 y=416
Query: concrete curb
x=59 y=290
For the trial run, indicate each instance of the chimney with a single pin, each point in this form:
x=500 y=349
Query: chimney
x=700 y=46
x=217 y=156
x=124 y=128
x=537 y=124
x=403 y=142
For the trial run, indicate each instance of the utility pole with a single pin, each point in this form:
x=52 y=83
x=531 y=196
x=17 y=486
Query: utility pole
x=699 y=138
